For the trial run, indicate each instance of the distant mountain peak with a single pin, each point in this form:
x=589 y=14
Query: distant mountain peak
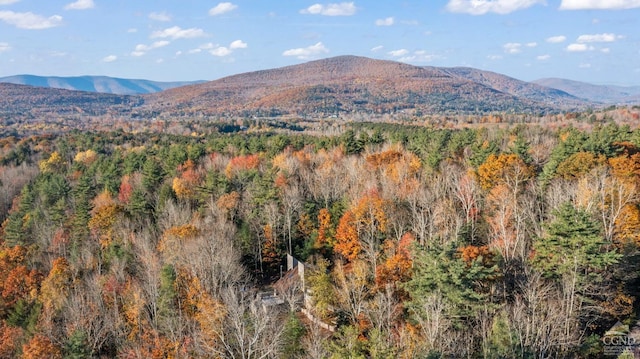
x=102 y=84
x=347 y=84
x=604 y=94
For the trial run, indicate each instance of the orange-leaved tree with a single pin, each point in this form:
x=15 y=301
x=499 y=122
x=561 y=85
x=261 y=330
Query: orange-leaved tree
x=242 y=163
x=41 y=347
x=508 y=169
x=17 y=282
x=185 y=184
x=397 y=266
x=10 y=339
x=324 y=237
x=362 y=228
x=347 y=242
x=103 y=216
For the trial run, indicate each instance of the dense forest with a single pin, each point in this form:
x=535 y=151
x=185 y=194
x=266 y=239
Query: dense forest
x=513 y=241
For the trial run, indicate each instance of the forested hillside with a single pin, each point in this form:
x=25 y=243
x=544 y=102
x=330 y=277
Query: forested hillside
x=496 y=242
x=347 y=85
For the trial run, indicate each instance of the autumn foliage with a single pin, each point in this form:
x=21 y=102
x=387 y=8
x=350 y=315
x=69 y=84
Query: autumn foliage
x=324 y=227
x=242 y=163
x=507 y=169
x=472 y=253
x=347 y=239
x=10 y=339
x=421 y=241
x=396 y=164
x=52 y=164
x=41 y=347
x=185 y=184
x=397 y=267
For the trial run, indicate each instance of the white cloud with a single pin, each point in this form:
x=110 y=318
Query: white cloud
x=377 y=48
x=7 y=2
x=543 y=57
x=110 y=58
x=238 y=44
x=4 y=46
x=597 y=38
x=207 y=46
x=221 y=8
x=494 y=57
x=132 y=30
x=584 y=66
x=512 y=47
x=304 y=53
x=29 y=20
x=399 y=52
x=418 y=56
x=176 y=32
x=579 y=47
x=220 y=51
x=385 y=22
x=80 y=5
x=605 y=50
x=142 y=49
x=532 y=44
x=599 y=4
x=341 y=9
x=481 y=7
x=160 y=16
x=556 y=39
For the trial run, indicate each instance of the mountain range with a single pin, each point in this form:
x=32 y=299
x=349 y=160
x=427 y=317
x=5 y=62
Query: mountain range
x=329 y=87
x=605 y=94
x=102 y=84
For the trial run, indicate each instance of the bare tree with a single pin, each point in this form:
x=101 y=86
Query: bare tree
x=213 y=256
x=289 y=288
x=466 y=191
x=291 y=197
x=559 y=192
x=613 y=196
x=537 y=317
x=149 y=266
x=353 y=288
x=249 y=332
x=384 y=309
x=12 y=179
x=328 y=182
x=434 y=324
x=315 y=342
x=87 y=312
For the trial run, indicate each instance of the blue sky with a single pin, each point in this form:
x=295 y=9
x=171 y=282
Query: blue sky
x=596 y=41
